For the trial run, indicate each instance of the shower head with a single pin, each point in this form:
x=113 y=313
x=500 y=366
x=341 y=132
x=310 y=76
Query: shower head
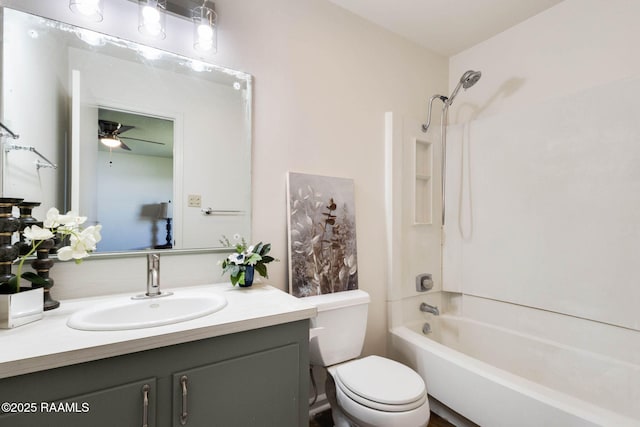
x=470 y=78
x=467 y=80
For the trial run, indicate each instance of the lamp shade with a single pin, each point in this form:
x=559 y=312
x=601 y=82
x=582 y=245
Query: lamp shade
x=165 y=210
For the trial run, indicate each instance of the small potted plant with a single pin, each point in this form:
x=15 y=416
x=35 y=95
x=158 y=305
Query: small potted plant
x=40 y=240
x=246 y=260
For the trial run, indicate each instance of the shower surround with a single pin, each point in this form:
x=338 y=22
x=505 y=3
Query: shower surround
x=542 y=230
x=540 y=247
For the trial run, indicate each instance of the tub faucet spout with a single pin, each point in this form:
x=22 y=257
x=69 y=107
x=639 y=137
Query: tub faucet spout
x=429 y=309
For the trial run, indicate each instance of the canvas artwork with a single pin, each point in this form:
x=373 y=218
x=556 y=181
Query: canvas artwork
x=322 y=235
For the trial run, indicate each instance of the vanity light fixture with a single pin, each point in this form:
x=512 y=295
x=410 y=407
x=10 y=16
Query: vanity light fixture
x=90 y=9
x=204 y=28
x=151 y=18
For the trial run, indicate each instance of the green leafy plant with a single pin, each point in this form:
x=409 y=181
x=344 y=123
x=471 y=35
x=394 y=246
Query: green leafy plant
x=245 y=256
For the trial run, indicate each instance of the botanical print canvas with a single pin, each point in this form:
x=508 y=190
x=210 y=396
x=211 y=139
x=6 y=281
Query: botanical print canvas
x=322 y=235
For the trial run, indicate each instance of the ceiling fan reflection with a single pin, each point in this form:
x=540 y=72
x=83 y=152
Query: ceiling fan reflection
x=110 y=132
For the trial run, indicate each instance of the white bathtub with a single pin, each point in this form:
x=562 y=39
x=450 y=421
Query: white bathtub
x=497 y=377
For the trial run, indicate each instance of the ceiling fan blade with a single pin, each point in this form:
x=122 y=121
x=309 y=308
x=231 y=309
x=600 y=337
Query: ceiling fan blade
x=124 y=146
x=143 y=140
x=124 y=128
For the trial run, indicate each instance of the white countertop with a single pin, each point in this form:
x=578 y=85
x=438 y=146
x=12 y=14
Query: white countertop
x=50 y=343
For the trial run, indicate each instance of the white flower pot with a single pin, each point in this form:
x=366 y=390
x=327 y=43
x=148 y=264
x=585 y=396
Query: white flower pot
x=21 y=308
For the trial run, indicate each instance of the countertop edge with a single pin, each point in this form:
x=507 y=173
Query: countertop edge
x=188 y=333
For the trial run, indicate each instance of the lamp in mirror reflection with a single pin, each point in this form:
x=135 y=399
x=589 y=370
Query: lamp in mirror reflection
x=165 y=213
x=151 y=18
x=90 y=9
x=204 y=28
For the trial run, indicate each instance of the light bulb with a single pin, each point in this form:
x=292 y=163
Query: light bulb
x=110 y=141
x=151 y=18
x=91 y=9
x=204 y=34
x=87 y=7
x=150 y=14
x=205 y=37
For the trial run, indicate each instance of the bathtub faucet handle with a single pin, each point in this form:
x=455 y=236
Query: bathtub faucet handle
x=424 y=282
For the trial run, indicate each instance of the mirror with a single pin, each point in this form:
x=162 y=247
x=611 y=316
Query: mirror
x=180 y=176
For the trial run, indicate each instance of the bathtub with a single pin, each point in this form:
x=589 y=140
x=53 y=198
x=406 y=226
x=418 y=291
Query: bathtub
x=497 y=377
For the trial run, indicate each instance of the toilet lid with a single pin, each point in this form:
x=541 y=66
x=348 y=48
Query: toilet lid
x=381 y=383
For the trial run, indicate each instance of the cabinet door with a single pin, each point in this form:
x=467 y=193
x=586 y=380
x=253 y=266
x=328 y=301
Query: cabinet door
x=121 y=406
x=258 y=389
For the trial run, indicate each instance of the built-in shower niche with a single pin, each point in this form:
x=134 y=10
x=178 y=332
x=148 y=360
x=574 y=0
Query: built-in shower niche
x=423 y=182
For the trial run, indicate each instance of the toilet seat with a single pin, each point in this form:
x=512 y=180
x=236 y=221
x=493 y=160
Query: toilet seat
x=381 y=384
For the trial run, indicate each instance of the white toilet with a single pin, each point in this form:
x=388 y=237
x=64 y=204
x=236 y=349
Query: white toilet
x=368 y=392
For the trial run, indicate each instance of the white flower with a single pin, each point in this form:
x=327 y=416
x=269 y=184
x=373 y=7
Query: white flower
x=81 y=244
x=36 y=233
x=236 y=259
x=90 y=236
x=236 y=237
x=68 y=252
x=249 y=250
x=69 y=221
x=51 y=221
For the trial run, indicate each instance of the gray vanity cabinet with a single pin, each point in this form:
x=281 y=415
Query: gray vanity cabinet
x=252 y=378
x=121 y=405
x=264 y=392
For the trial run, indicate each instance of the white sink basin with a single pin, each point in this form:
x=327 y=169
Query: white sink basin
x=123 y=313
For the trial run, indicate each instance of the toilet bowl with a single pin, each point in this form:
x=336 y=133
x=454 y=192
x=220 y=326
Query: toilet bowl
x=374 y=391
x=369 y=392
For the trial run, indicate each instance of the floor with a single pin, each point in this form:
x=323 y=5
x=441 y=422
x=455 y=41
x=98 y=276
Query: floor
x=323 y=419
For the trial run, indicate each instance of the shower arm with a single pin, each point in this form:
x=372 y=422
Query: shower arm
x=444 y=99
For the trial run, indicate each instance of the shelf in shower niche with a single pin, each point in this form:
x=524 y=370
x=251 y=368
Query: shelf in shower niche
x=422 y=182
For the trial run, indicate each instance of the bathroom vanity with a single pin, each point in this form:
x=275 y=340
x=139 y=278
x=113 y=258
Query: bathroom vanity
x=244 y=365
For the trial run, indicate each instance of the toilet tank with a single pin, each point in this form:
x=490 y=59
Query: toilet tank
x=337 y=332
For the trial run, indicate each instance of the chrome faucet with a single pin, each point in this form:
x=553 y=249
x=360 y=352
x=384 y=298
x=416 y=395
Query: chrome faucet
x=153 y=275
x=153 y=278
x=429 y=309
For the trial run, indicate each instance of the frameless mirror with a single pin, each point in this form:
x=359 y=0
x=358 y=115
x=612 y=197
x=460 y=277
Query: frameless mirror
x=154 y=146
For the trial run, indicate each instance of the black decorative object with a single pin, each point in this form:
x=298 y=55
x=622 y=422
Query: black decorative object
x=26 y=220
x=8 y=252
x=42 y=264
x=166 y=213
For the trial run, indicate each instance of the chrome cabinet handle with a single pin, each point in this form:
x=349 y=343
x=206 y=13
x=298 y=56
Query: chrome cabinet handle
x=145 y=405
x=184 y=415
